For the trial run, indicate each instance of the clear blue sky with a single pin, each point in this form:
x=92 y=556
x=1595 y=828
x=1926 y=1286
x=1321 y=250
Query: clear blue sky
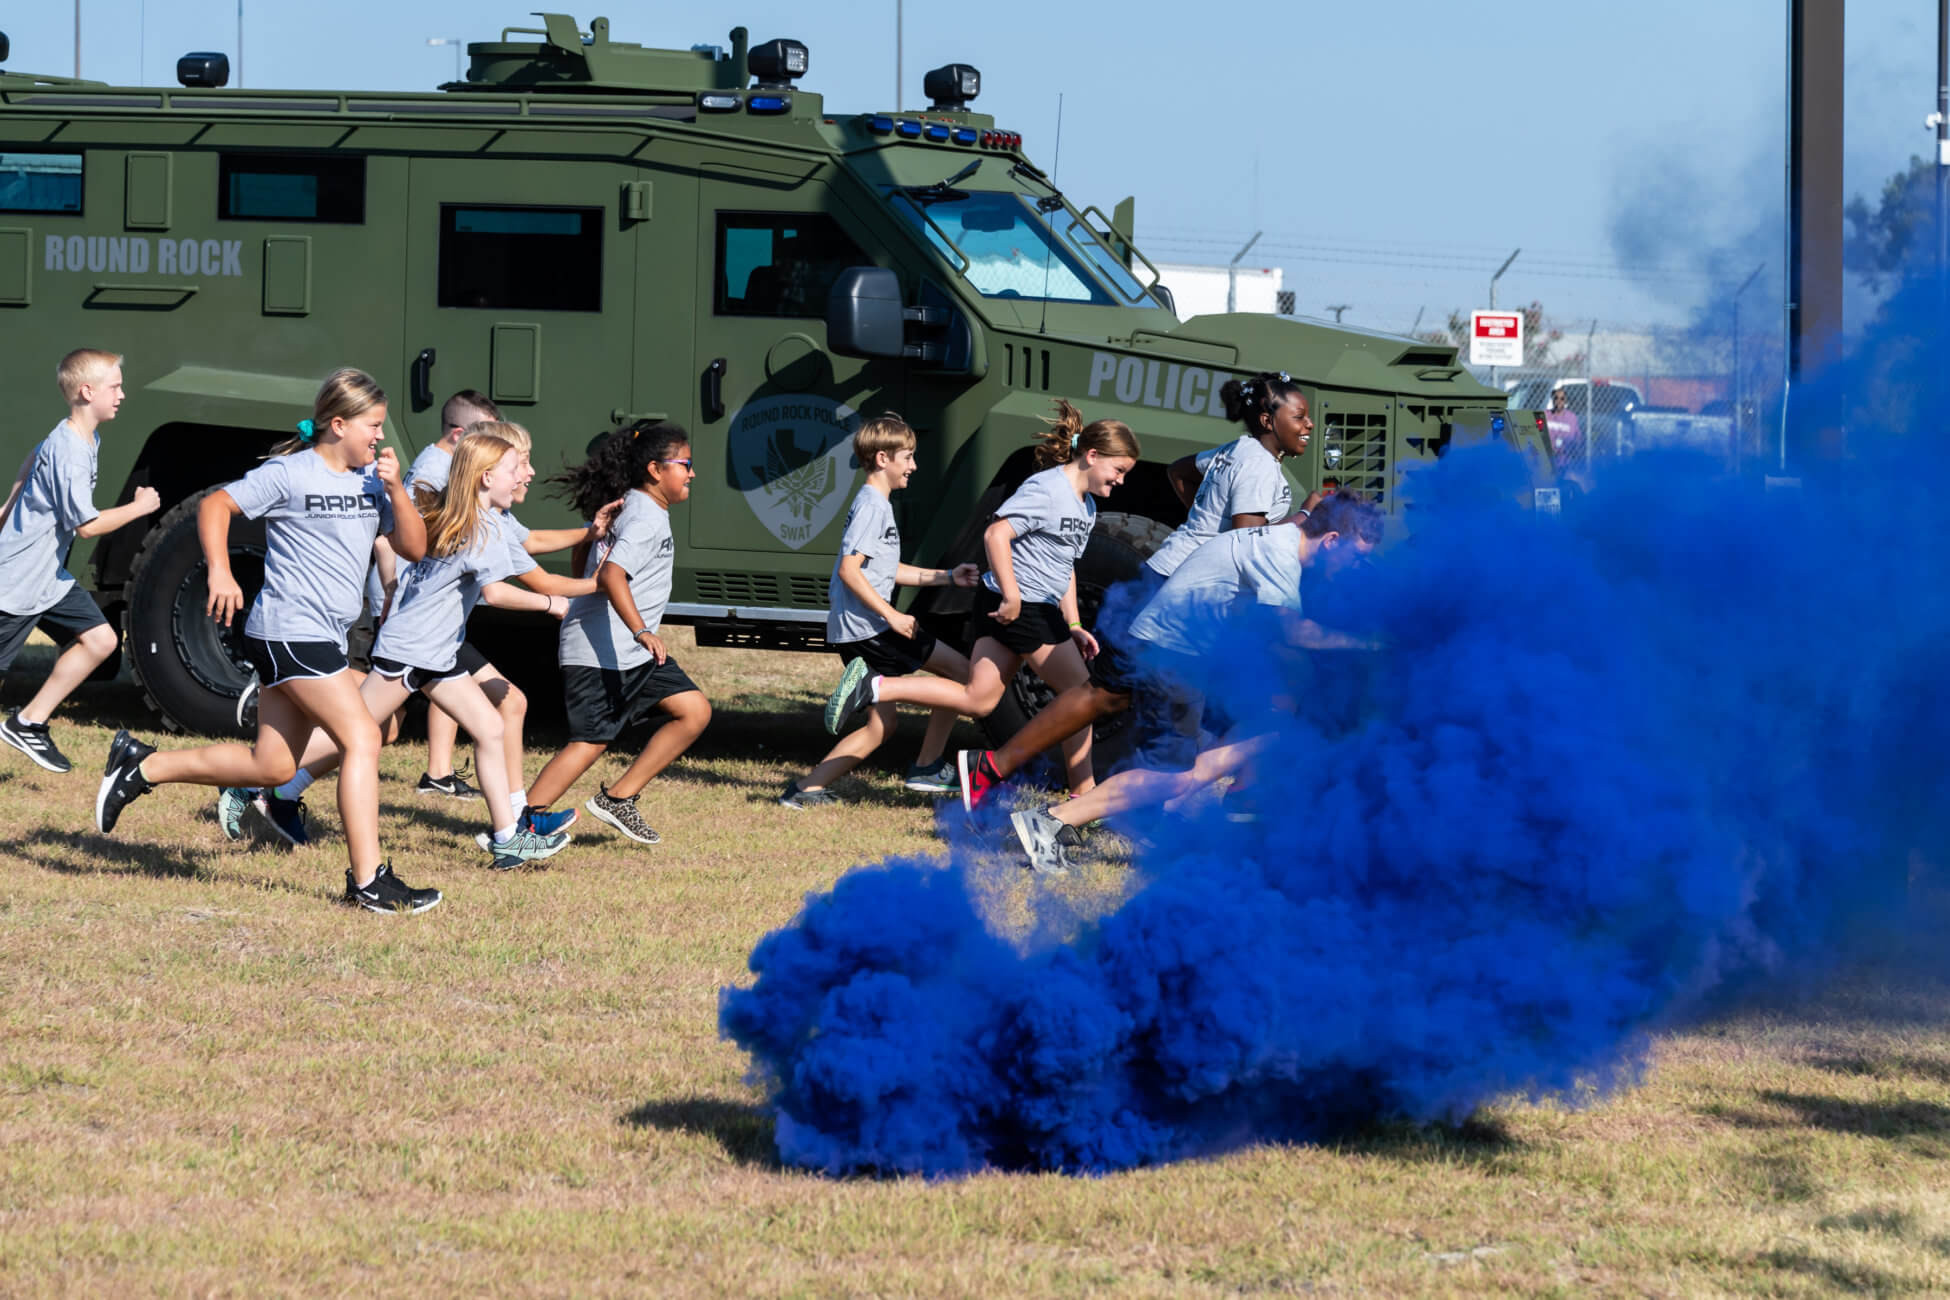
x=1392 y=153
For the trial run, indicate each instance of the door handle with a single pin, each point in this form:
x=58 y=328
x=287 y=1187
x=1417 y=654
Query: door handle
x=423 y=380
x=713 y=394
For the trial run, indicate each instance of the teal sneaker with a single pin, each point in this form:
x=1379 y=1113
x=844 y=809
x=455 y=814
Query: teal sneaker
x=525 y=849
x=232 y=803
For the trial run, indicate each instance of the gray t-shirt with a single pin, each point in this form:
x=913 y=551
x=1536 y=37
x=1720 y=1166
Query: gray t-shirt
x=515 y=534
x=1245 y=566
x=871 y=532
x=1052 y=522
x=435 y=596
x=320 y=525
x=640 y=544
x=1242 y=479
x=57 y=498
x=430 y=468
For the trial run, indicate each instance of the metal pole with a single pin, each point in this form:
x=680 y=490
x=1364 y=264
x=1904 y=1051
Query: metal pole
x=1493 y=279
x=900 y=49
x=1942 y=152
x=1816 y=30
x=240 y=44
x=1739 y=404
x=1418 y=320
x=1232 y=272
x=77 y=40
x=1586 y=433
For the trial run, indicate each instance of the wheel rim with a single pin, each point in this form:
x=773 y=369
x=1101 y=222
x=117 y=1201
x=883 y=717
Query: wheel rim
x=201 y=642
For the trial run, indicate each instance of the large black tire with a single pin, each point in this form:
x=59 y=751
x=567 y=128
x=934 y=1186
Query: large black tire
x=190 y=667
x=1118 y=545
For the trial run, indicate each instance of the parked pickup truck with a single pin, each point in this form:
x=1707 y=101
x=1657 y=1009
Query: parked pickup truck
x=1709 y=430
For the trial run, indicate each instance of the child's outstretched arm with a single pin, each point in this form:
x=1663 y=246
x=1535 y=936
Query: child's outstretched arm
x=554 y=584
x=503 y=595
x=213 y=531
x=962 y=575
x=146 y=501
x=1073 y=616
x=540 y=541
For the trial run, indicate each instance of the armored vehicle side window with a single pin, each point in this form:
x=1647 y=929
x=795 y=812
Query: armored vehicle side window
x=291 y=187
x=780 y=264
x=529 y=259
x=40 y=182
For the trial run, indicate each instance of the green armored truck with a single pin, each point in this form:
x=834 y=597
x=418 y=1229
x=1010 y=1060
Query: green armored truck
x=592 y=231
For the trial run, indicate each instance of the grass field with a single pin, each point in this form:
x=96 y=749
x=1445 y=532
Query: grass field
x=212 y=1082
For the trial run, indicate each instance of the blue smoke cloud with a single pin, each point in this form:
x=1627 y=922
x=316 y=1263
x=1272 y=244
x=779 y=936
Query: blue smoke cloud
x=1611 y=770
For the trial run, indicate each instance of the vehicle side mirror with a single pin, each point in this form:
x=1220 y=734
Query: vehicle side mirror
x=863 y=314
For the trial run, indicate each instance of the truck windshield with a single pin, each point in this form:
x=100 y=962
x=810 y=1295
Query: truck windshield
x=1005 y=248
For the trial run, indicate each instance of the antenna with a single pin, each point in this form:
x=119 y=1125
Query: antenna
x=1049 y=246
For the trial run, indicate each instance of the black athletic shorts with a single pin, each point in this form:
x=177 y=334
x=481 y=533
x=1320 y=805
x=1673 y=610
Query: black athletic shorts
x=889 y=653
x=417 y=679
x=284 y=661
x=1036 y=626
x=471 y=660
x=601 y=702
x=63 y=621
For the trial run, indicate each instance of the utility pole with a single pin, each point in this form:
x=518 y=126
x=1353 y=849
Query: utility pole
x=1232 y=272
x=77 y=40
x=900 y=49
x=1337 y=309
x=1942 y=124
x=240 y=44
x=1739 y=395
x=1815 y=228
x=1493 y=279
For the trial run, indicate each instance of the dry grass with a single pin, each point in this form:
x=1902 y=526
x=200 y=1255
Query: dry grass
x=212 y=1082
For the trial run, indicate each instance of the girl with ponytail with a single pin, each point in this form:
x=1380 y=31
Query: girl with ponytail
x=1026 y=608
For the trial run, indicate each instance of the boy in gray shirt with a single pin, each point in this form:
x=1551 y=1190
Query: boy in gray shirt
x=52 y=503
x=862 y=623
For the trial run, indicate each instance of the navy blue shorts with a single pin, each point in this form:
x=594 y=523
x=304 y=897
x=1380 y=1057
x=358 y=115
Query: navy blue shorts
x=63 y=621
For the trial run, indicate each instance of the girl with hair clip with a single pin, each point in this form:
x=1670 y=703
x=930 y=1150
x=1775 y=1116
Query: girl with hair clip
x=326 y=496
x=1026 y=607
x=419 y=645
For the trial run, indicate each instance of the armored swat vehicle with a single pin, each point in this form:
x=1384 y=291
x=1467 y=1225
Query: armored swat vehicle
x=591 y=231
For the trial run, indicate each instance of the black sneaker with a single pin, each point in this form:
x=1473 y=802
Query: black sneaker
x=388 y=893
x=622 y=814
x=32 y=739
x=285 y=817
x=122 y=780
x=454 y=786
x=794 y=797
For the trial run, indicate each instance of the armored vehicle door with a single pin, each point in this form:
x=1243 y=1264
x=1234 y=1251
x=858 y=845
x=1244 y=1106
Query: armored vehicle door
x=521 y=283
x=776 y=410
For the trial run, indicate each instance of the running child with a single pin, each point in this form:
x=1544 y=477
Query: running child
x=429 y=470
x=53 y=502
x=1239 y=485
x=862 y=623
x=1172 y=641
x=615 y=669
x=1026 y=608
x=418 y=647
x=283 y=808
x=327 y=494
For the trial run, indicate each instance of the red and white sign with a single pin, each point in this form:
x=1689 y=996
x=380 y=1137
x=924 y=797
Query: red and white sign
x=1495 y=338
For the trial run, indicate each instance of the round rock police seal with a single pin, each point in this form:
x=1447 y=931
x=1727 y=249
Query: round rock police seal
x=792 y=460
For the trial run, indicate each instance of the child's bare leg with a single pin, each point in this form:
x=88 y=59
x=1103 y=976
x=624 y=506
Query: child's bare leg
x=462 y=699
x=689 y=714
x=854 y=746
x=513 y=707
x=281 y=728
x=1145 y=787
x=383 y=696
x=563 y=771
x=948 y=662
x=83 y=656
x=1062 y=668
x=337 y=706
x=442 y=732
x=989 y=671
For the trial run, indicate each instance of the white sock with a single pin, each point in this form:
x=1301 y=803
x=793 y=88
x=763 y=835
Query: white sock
x=873 y=688
x=519 y=801
x=296 y=786
x=502 y=837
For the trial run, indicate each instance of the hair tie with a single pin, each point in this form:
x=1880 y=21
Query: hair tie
x=1073 y=440
x=305 y=431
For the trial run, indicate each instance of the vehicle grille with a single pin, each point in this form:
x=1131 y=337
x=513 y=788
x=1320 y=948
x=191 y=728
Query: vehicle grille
x=1354 y=449
x=779 y=591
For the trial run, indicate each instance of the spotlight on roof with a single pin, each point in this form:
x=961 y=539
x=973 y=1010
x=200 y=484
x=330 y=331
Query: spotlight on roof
x=777 y=63
x=954 y=87
x=204 y=69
